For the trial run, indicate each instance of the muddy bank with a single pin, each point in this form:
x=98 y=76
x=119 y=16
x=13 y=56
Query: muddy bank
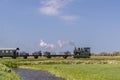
x=35 y=75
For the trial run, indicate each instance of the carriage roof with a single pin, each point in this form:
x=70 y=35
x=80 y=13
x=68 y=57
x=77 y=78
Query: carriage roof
x=9 y=48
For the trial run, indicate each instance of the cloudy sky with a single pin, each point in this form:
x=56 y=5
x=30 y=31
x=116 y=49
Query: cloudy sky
x=35 y=24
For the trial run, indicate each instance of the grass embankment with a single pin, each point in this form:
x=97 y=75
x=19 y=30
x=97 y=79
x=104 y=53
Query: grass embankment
x=7 y=74
x=72 y=69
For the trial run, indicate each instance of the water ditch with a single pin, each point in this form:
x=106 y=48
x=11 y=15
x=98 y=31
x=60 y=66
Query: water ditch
x=27 y=74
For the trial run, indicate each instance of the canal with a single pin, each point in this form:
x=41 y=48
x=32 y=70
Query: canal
x=27 y=74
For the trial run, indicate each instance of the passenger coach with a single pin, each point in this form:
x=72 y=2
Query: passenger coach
x=9 y=52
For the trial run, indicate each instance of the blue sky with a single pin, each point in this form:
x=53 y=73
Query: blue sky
x=86 y=23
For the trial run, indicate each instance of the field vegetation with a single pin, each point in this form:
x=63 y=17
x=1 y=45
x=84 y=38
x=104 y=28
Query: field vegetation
x=94 y=68
x=7 y=73
x=81 y=71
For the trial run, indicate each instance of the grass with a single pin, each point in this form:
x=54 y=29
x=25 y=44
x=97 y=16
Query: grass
x=80 y=71
x=7 y=74
x=95 y=68
x=96 y=60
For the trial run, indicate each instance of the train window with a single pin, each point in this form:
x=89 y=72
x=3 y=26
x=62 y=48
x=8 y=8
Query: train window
x=6 y=51
x=11 y=51
x=2 y=51
x=86 y=50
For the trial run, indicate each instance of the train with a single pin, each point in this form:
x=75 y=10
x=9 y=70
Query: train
x=82 y=52
x=14 y=53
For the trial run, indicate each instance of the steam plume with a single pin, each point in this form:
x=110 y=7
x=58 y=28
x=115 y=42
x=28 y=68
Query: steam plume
x=65 y=43
x=60 y=43
x=46 y=45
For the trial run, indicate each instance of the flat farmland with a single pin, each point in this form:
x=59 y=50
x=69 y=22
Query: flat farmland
x=80 y=71
x=94 y=68
x=106 y=57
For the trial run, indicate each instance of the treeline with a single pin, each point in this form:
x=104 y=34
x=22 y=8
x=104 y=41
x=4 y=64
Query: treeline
x=106 y=54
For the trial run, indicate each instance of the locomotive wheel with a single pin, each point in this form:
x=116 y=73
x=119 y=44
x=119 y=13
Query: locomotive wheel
x=36 y=57
x=25 y=57
x=14 y=57
x=48 y=56
x=1 y=56
x=65 y=57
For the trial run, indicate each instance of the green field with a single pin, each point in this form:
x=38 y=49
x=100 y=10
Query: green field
x=70 y=69
x=7 y=74
x=81 y=71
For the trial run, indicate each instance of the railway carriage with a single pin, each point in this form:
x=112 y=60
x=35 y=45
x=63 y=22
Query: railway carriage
x=9 y=52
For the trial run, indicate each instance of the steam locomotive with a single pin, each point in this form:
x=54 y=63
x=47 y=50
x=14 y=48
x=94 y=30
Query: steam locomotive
x=82 y=52
x=14 y=53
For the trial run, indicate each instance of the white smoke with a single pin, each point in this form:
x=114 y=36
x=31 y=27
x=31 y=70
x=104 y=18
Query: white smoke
x=60 y=44
x=45 y=45
x=65 y=43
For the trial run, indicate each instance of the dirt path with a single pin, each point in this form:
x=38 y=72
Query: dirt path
x=35 y=75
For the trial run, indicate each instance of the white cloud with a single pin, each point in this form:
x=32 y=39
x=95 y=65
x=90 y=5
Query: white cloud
x=69 y=18
x=55 y=8
x=52 y=7
x=49 y=11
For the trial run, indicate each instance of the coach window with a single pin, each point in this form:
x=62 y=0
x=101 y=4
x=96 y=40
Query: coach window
x=2 y=51
x=6 y=51
x=11 y=51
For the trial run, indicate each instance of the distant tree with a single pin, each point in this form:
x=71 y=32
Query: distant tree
x=93 y=54
x=104 y=54
x=116 y=53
